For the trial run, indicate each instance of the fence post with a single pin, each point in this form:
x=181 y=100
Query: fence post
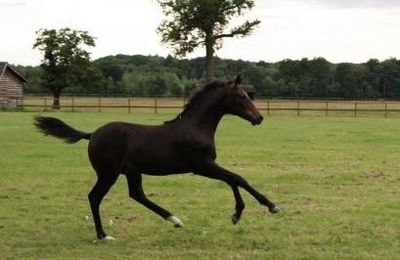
x=355 y=109
x=298 y=107
x=268 y=107
x=99 y=105
x=155 y=105
x=386 y=109
x=73 y=104
x=326 y=108
x=45 y=104
x=129 y=105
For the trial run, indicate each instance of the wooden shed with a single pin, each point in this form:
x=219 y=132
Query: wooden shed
x=11 y=86
x=250 y=90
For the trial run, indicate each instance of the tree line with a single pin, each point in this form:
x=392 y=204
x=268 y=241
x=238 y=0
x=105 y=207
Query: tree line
x=187 y=26
x=66 y=65
x=167 y=76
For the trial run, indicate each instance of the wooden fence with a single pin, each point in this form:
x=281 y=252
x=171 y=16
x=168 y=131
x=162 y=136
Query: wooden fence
x=353 y=108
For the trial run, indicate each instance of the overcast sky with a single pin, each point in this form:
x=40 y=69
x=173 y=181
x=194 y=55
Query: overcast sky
x=338 y=30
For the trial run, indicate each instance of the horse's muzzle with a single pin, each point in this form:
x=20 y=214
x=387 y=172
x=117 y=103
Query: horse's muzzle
x=258 y=120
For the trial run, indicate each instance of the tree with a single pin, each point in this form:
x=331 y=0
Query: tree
x=193 y=23
x=35 y=78
x=352 y=81
x=64 y=58
x=390 y=78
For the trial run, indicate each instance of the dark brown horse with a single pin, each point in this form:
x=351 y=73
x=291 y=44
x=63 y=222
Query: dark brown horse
x=184 y=144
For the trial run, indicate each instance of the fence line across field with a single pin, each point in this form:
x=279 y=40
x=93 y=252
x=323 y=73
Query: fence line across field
x=269 y=106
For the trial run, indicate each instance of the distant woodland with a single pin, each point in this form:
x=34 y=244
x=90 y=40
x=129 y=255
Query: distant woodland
x=139 y=75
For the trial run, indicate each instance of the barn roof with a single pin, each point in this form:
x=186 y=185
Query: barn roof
x=248 y=88
x=4 y=66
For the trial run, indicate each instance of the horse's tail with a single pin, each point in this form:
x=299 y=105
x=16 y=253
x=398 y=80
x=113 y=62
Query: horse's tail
x=57 y=128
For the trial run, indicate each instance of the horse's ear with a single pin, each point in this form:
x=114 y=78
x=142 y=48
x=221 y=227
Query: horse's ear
x=234 y=82
x=238 y=79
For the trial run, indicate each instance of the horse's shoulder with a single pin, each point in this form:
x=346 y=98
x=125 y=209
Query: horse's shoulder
x=196 y=143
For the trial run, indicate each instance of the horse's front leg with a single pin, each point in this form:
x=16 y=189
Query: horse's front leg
x=136 y=192
x=214 y=171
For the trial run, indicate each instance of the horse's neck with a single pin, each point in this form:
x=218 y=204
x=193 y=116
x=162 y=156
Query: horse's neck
x=209 y=123
x=206 y=118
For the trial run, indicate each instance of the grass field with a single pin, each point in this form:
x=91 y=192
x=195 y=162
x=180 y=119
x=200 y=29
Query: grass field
x=336 y=179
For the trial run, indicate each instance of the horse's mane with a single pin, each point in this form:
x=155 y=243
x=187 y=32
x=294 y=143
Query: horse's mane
x=200 y=91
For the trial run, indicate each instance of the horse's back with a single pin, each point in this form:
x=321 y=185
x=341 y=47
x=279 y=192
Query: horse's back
x=107 y=146
x=118 y=145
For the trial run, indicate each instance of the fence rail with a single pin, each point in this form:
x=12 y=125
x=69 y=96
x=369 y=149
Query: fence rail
x=269 y=106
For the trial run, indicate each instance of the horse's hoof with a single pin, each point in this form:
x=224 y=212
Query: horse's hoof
x=274 y=210
x=235 y=219
x=107 y=239
x=176 y=221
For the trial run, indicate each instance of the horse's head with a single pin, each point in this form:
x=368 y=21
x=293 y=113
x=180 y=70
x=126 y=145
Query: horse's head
x=238 y=103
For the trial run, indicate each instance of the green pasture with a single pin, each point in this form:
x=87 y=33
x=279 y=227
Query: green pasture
x=336 y=179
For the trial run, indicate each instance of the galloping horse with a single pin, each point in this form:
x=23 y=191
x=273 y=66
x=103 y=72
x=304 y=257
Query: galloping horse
x=184 y=144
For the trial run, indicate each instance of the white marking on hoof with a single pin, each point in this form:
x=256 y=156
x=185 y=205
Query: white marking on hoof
x=176 y=221
x=107 y=238
x=234 y=219
x=275 y=210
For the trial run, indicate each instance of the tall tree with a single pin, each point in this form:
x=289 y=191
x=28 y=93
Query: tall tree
x=193 y=23
x=65 y=58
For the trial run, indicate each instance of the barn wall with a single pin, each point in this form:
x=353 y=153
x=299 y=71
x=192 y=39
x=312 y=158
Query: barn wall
x=11 y=89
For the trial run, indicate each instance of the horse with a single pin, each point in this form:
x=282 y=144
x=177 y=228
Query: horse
x=184 y=144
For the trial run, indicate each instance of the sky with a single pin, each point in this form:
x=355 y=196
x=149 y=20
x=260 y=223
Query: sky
x=338 y=30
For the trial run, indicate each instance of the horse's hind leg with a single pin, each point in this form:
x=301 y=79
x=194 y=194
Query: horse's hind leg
x=136 y=192
x=96 y=195
x=239 y=204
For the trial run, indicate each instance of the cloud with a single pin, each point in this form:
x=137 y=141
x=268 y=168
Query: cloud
x=336 y=4
x=338 y=30
x=12 y=3
x=359 y=4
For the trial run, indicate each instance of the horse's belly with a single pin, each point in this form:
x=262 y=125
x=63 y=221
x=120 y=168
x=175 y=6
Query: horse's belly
x=159 y=162
x=164 y=168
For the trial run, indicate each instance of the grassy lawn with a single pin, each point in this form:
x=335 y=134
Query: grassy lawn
x=336 y=179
